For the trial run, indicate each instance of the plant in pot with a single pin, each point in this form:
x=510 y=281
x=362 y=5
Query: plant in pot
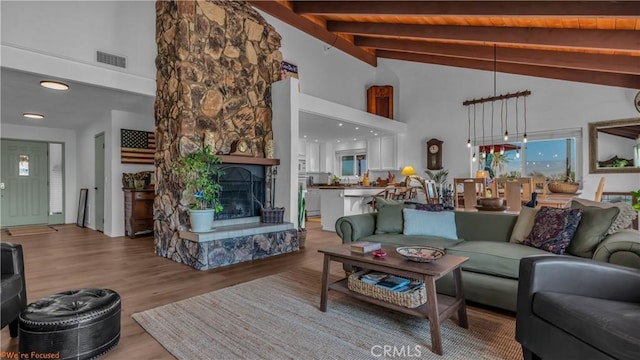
x=198 y=172
x=636 y=194
x=302 y=232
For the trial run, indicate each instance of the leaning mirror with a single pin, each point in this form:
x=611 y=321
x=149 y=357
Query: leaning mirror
x=614 y=146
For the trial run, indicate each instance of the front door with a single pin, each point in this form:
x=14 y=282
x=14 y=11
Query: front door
x=24 y=197
x=99 y=176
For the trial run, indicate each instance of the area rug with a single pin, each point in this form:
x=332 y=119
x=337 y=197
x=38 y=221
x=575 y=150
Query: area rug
x=277 y=317
x=30 y=230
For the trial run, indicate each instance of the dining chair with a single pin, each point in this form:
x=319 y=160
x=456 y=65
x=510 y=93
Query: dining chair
x=539 y=185
x=598 y=196
x=516 y=191
x=471 y=189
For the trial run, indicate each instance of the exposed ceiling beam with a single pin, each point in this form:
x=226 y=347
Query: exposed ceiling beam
x=591 y=77
x=471 y=8
x=574 y=38
x=563 y=59
x=285 y=14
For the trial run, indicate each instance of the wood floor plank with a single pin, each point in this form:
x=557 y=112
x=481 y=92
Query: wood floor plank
x=77 y=257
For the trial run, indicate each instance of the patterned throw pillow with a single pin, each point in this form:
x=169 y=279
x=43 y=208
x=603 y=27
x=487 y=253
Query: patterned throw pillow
x=553 y=229
x=426 y=207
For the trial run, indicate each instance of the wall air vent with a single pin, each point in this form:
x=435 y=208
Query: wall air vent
x=111 y=59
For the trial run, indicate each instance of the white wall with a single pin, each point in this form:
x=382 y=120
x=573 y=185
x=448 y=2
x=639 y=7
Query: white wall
x=68 y=138
x=431 y=99
x=332 y=74
x=611 y=145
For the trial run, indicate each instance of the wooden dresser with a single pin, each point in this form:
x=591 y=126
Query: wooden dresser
x=138 y=212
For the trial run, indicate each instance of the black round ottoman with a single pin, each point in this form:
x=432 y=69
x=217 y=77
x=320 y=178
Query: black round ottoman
x=75 y=324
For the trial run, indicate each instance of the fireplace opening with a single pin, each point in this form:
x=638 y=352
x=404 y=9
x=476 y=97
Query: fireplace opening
x=241 y=186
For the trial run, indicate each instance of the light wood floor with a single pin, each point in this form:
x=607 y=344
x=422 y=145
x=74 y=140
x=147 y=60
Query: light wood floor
x=74 y=258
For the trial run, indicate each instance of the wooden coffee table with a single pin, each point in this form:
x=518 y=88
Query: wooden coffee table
x=438 y=307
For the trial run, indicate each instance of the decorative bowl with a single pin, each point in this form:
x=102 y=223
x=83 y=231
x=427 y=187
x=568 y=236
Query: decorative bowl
x=563 y=187
x=496 y=202
x=421 y=253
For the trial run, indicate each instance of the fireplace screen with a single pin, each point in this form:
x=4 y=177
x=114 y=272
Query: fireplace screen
x=242 y=185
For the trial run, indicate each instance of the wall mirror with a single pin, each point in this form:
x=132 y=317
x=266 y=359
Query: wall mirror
x=614 y=146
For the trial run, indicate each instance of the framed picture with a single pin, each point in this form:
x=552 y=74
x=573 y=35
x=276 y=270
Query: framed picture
x=613 y=197
x=82 y=207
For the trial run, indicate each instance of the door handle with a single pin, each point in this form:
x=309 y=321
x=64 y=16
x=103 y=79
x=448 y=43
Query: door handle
x=96 y=188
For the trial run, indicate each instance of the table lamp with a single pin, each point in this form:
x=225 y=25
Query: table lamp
x=408 y=171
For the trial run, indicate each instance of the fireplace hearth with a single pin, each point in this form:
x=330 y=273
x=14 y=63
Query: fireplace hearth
x=243 y=190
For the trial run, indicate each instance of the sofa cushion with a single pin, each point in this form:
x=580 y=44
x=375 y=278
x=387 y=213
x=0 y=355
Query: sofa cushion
x=484 y=226
x=406 y=240
x=493 y=258
x=440 y=224
x=524 y=224
x=11 y=287
x=611 y=326
x=593 y=228
x=553 y=229
x=389 y=219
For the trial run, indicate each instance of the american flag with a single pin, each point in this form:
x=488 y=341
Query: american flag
x=137 y=147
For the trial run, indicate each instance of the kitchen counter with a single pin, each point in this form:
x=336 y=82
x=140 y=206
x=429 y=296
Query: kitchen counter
x=338 y=201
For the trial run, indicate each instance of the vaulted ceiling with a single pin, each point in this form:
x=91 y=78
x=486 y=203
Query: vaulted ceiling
x=594 y=42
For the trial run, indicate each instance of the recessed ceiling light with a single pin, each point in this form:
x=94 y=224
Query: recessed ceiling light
x=305 y=136
x=357 y=128
x=55 y=85
x=338 y=141
x=354 y=139
x=33 y=116
x=316 y=140
x=376 y=134
x=339 y=124
x=370 y=131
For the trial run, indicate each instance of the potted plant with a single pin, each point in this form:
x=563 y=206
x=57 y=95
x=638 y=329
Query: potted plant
x=199 y=174
x=636 y=194
x=302 y=232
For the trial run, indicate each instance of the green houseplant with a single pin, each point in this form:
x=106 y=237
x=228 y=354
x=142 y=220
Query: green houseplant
x=302 y=232
x=636 y=194
x=198 y=172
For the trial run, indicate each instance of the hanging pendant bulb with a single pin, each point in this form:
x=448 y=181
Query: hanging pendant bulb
x=483 y=155
x=491 y=151
x=469 y=143
x=506 y=135
x=502 y=150
x=517 y=154
x=473 y=158
x=524 y=138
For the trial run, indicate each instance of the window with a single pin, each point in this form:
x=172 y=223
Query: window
x=352 y=164
x=546 y=155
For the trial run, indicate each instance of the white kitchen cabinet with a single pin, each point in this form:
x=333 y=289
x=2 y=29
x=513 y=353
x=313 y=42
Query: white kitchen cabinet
x=327 y=156
x=382 y=153
x=302 y=148
x=343 y=202
x=313 y=157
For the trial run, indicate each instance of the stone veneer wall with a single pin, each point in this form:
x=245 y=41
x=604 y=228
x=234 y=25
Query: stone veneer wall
x=216 y=62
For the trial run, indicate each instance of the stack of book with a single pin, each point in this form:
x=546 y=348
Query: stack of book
x=363 y=247
x=391 y=282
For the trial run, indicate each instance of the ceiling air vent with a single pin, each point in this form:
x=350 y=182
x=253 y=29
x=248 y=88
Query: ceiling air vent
x=111 y=59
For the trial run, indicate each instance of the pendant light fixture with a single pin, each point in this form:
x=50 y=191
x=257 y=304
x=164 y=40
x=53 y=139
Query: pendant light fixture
x=475 y=139
x=483 y=154
x=524 y=138
x=517 y=132
x=502 y=124
x=469 y=125
x=506 y=118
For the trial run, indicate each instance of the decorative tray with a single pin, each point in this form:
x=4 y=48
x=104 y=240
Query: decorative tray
x=491 y=208
x=420 y=253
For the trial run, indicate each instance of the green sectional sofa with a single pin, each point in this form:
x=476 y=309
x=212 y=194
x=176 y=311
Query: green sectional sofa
x=490 y=276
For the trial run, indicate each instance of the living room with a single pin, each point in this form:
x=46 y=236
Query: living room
x=428 y=99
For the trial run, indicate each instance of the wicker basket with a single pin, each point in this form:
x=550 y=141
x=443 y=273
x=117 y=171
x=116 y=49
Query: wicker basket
x=272 y=216
x=407 y=299
x=563 y=187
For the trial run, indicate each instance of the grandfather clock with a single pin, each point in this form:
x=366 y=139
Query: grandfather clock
x=434 y=154
x=380 y=100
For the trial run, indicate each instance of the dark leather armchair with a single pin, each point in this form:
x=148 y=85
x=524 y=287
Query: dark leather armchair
x=574 y=308
x=13 y=292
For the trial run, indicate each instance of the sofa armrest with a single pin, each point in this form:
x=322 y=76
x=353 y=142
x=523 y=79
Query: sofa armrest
x=621 y=248
x=12 y=262
x=354 y=227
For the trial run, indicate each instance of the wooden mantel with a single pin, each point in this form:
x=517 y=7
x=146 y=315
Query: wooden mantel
x=234 y=159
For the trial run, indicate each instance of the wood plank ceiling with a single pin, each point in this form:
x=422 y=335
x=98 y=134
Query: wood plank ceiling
x=594 y=42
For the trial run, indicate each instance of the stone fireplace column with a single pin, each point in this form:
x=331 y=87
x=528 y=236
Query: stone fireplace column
x=215 y=65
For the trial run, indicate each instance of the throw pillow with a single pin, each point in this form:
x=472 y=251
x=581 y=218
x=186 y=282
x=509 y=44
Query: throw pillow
x=592 y=229
x=382 y=202
x=523 y=225
x=553 y=229
x=419 y=222
x=622 y=221
x=389 y=219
